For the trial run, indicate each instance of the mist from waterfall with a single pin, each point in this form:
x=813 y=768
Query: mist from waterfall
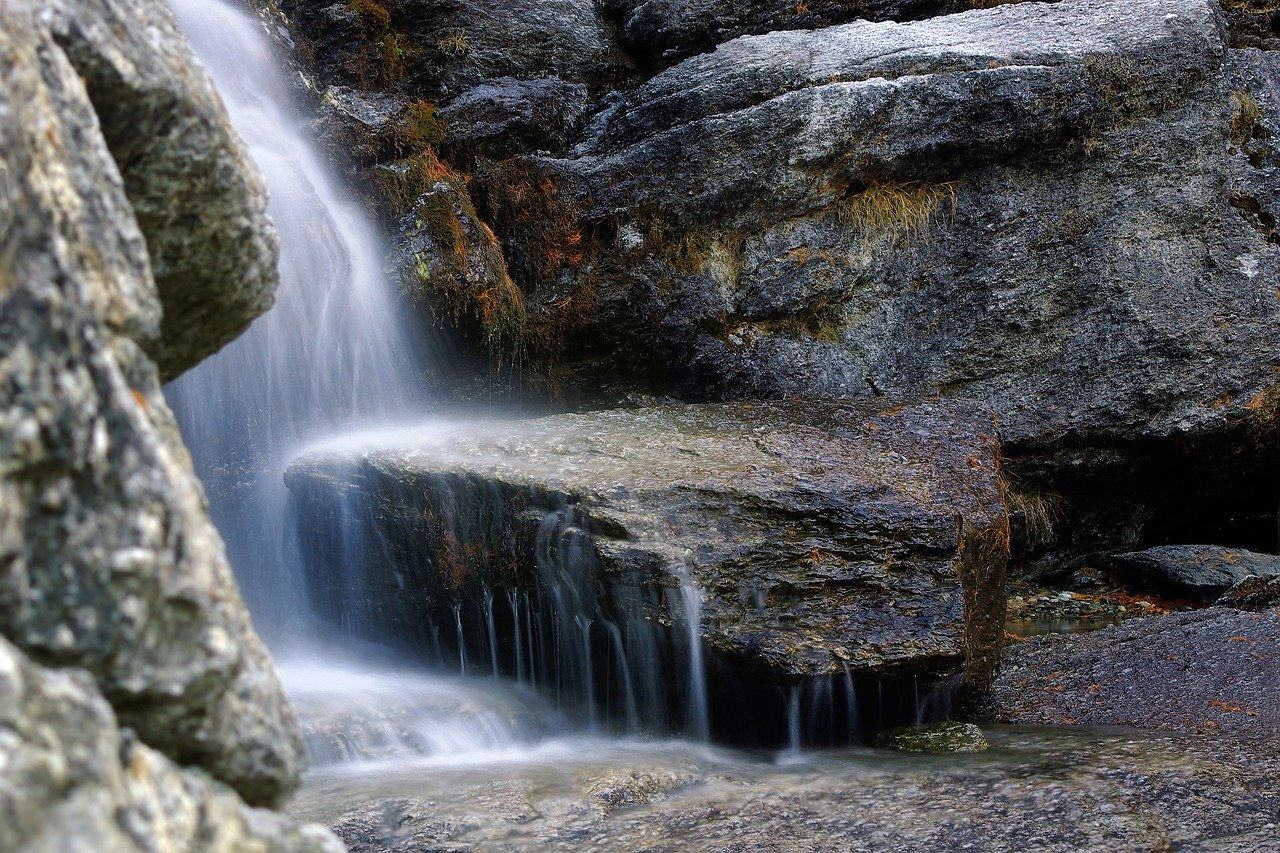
x=332 y=354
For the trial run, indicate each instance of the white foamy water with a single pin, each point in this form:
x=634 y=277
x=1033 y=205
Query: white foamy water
x=334 y=351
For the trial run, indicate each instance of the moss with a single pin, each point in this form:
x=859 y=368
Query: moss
x=402 y=183
x=375 y=18
x=496 y=307
x=420 y=127
x=527 y=207
x=939 y=738
x=898 y=209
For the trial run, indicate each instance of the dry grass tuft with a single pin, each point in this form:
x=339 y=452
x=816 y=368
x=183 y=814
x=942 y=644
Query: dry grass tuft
x=901 y=210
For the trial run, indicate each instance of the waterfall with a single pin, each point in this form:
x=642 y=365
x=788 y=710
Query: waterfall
x=332 y=352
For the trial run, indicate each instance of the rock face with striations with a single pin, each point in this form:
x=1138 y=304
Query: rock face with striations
x=108 y=559
x=822 y=536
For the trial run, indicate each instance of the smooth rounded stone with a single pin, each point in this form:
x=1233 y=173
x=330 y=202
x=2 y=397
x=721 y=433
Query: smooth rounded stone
x=110 y=560
x=938 y=738
x=1036 y=789
x=71 y=780
x=1253 y=593
x=822 y=537
x=1198 y=572
x=1212 y=671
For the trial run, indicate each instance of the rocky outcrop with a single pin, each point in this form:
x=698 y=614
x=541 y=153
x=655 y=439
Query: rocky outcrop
x=666 y=30
x=820 y=538
x=72 y=780
x=862 y=210
x=108 y=560
x=1204 y=671
x=1198 y=572
x=199 y=205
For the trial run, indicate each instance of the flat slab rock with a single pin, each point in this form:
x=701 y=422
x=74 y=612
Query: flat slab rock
x=823 y=535
x=1199 y=572
x=1205 y=671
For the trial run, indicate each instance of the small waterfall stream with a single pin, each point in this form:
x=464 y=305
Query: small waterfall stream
x=332 y=353
x=511 y=663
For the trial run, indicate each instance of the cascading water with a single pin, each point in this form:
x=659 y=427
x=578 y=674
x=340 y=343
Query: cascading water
x=333 y=355
x=332 y=352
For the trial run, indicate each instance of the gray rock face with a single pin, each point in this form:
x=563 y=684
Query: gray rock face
x=1028 y=207
x=1198 y=572
x=195 y=193
x=71 y=780
x=1207 y=671
x=823 y=537
x=508 y=116
x=108 y=560
x=671 y=29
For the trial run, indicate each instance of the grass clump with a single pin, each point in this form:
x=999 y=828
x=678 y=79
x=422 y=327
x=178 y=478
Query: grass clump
x=453 y=43
x=1245 y=115
x=1039 y=512
x=898 y=209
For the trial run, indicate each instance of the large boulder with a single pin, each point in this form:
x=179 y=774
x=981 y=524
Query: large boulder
x=72 y=780
x=1198 y=572
x=1201 y=671
x=802 y=539
x=108 y=560
x=1058 y=212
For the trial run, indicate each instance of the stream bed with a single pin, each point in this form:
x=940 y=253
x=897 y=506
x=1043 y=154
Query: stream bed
x=1036 y=788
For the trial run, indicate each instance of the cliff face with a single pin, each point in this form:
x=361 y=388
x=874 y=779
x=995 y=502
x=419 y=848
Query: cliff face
x=135 y=241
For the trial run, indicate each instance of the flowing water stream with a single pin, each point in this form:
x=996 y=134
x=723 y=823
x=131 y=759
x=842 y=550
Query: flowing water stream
x=492 y=674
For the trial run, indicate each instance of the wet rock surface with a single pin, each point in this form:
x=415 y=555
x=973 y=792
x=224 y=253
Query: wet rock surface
x=71 y=779
x=1211 y=671
x=822 y=536
x=1033 y=790
x=109 y=560
x=1199 y=572
x=940 y=738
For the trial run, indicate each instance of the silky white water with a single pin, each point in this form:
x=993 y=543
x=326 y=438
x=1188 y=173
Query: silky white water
x=333 y=352
x=334 y=365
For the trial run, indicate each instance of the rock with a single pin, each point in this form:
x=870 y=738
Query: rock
x=1253 y=593
x=506 y=117
x=108 y=560
x=821 y=537
x=197 y=197
x=671 y=29
x=1198 y=572
x=71 y=780
x=938 y=738
x=862 y=210
x=441 y=48
x=1208 y=671
x=451 y=264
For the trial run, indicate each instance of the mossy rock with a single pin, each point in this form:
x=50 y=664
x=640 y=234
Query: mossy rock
x=938 y=738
